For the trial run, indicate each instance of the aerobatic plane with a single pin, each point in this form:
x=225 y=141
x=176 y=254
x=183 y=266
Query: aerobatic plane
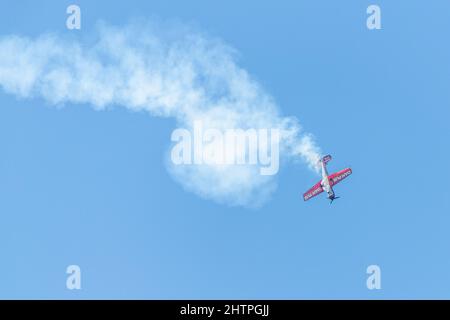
x=327 y=182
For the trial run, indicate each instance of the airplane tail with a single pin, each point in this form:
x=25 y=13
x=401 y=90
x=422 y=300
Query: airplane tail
x=326 y=159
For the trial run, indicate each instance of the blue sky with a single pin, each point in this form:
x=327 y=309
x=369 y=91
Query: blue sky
x=91 y=188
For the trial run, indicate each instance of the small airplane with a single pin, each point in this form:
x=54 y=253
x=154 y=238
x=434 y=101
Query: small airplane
x=327 y=182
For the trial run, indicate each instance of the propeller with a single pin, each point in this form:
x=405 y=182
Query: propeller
x=334 y=199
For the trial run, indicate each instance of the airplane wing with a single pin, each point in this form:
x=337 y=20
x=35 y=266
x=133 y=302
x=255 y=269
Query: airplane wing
x=339 y=176
x=314 y=191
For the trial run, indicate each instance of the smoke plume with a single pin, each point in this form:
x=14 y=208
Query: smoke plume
x=166 y=71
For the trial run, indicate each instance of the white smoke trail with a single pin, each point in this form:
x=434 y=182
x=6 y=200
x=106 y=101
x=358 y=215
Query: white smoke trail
x=169 y=72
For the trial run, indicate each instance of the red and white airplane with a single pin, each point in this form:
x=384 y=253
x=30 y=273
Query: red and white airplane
x=327 y=182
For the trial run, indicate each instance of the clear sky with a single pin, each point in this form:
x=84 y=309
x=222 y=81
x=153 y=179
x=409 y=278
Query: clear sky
x=90 y=188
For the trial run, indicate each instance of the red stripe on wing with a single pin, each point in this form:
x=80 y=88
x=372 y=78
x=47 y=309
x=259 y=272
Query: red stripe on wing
x=314 y=191
x=339 y=176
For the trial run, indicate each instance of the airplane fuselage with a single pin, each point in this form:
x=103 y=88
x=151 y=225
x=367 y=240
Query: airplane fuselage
x=326 y=181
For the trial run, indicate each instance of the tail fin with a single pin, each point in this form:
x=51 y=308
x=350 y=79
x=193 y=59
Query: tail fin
x=326 y=159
